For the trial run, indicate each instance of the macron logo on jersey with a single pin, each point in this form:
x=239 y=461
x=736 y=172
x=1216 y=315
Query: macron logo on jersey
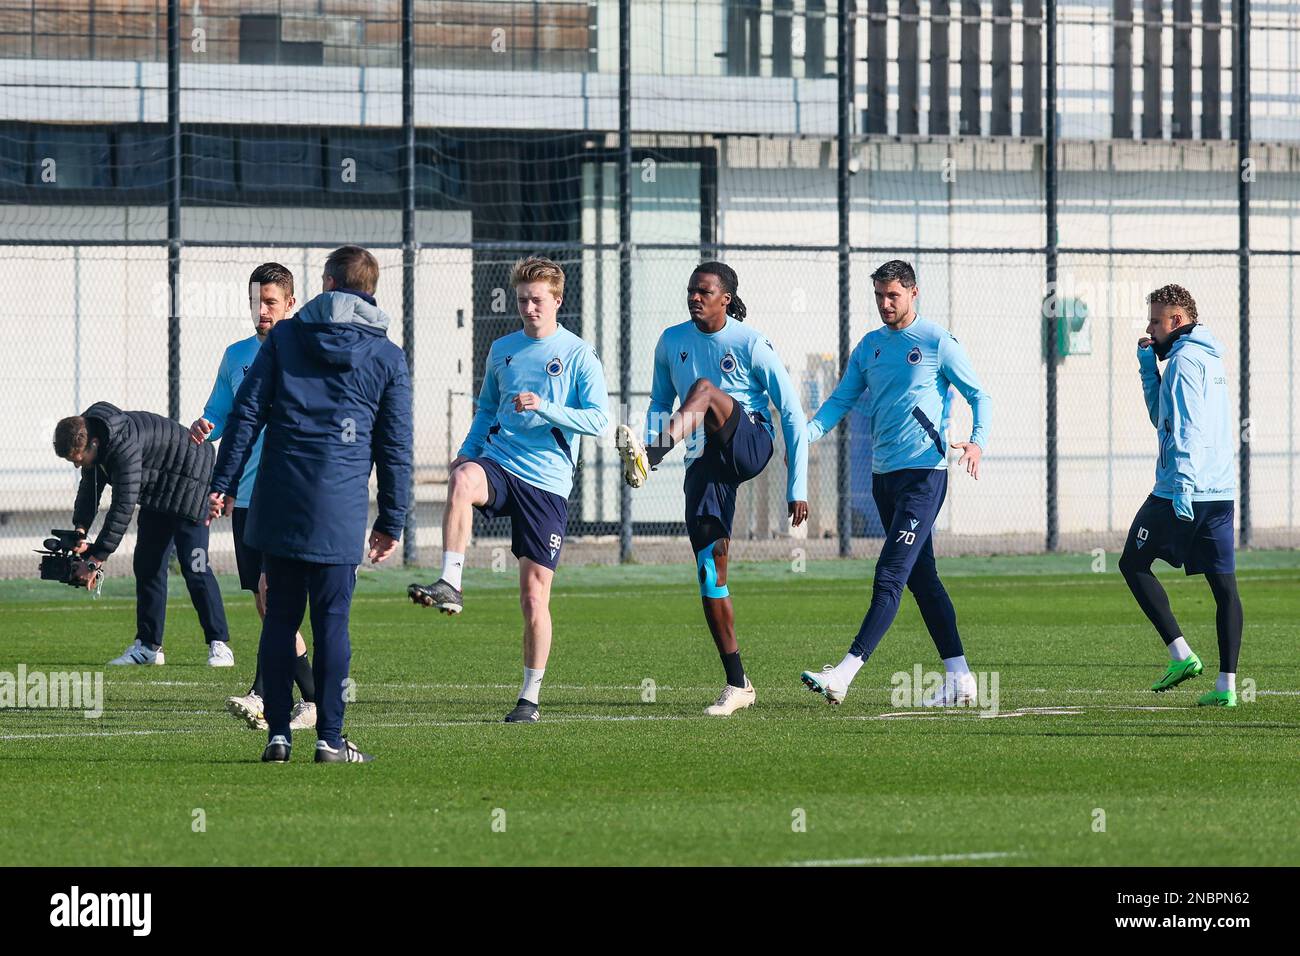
x=683 y=355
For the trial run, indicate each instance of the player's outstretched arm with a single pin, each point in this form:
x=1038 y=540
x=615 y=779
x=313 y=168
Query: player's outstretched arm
x=662 y=396
x=248 y=414
x=842 y=400
x=489 y=397
x=215 y=412
x=955 y=366
x=771 y=374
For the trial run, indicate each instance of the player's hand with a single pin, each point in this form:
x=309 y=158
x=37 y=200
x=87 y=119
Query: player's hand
x=798 y=511
x=970 y=457
x=83 y=545
x=228 y=507
x=1145 y=342
x=527 y=402
x=381 y=546
x=200 y=430
x=1183 y=506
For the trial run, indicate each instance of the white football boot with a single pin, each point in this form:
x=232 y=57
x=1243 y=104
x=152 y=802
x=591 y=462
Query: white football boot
x=303 y=716
x=828 y=683
x=636 y=466
x=248 y=709
x=220 y=655
x=137 y=653
x=958 y=690
x=731 y=700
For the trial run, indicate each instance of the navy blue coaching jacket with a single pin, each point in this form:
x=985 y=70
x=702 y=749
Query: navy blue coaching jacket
x=334 y=396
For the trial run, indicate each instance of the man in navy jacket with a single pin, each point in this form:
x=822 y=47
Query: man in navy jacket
x=334 y=397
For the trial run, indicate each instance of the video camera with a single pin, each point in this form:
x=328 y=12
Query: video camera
x=58 y=561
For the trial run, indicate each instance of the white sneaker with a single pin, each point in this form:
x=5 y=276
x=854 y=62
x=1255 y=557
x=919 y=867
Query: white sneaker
x=827 y=682
x=248 y=709
x=303 y=716
x=636 y=466
x=220 y=655
x=731 y=700
x=137 y=653
x=958 y=690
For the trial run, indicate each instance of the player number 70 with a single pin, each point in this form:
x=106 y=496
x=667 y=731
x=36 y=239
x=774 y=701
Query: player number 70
x=907 y=537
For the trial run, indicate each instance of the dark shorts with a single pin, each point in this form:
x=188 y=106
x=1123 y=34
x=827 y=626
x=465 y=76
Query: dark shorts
x=1202 y=545
x=538 y=518
x=737 y=452
x=247 y=558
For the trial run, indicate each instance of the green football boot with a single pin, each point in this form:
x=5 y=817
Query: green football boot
x=1177 y=672
x=1218 y=698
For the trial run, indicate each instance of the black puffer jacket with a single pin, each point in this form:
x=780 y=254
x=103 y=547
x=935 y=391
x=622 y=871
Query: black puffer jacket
x=151 y=462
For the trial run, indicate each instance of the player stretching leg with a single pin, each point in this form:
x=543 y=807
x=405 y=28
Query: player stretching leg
x=905 y=369
x=542 y=387
x=270 y=295
x=724 y=374
x=1187 y=518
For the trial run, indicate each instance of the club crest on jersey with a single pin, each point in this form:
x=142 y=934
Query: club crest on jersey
x=914 y=356
x=554 y=367
x=728 y=364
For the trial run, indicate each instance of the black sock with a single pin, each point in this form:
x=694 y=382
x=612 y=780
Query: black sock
x=306 y=682
x=735 y=672
x=257 y=681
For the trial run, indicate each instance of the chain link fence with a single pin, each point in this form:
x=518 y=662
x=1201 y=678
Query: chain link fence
x=291 y=142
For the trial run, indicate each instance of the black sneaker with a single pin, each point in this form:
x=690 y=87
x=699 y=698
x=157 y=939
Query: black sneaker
x=277 y=751
x=439 y=594
x=525 y=712
x=348 y=753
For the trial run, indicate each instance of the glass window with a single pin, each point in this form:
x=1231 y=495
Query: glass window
x=290 y=162
x=142 y=156
x=71 y=158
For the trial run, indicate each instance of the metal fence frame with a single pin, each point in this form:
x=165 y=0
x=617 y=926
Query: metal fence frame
x=848 y=13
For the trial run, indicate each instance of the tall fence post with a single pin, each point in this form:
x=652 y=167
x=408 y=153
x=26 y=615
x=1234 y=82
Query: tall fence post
x=846 y=12
x=1052 y=300
x=174 y=209
x=409 y=553
x=625 y=256
x=1241 y=116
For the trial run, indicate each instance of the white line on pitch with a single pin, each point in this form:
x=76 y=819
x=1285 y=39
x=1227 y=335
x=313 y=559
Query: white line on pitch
x=889 y=860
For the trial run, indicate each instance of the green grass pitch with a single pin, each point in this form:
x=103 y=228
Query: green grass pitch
x=608 y=777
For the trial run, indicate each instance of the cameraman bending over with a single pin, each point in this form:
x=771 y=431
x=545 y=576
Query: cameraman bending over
x=150 y=461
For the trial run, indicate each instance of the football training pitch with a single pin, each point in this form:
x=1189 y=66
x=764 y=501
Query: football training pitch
x=1079 y=764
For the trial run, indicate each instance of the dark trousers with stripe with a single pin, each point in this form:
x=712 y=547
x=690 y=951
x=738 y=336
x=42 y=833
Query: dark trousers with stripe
x=157 y=534
x=289 y=586
x=909 y=501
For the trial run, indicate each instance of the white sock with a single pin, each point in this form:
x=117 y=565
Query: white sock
x=532 y=684
x=956 y=665
x=453 y=563
x=1179 y=650
x=1226 y=682
x=848 y=668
